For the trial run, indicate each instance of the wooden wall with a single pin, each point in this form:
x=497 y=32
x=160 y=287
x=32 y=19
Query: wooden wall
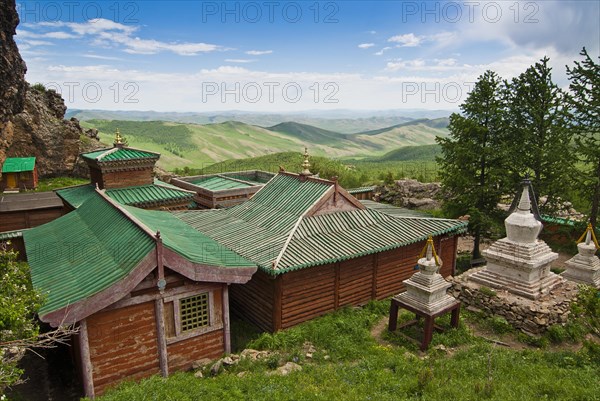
x=123 y=345
x=280 y=302
x=123 y=337
x=255 y=300
x=121 y=179
x=20 y=219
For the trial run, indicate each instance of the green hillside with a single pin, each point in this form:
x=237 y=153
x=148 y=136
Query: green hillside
x=308 y=133
x=409 y=153
x=440 y=123
x=195 y=146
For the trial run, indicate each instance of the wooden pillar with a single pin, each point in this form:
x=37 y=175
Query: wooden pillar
x=160 y=337
x=277 y=304
x=226 y=324
x=86 y=361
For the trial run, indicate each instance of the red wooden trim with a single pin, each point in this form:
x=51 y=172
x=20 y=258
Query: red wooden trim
x=161 y=338
x=80 y=310
x=226 y=323
x=207 y=273
x=86 y=361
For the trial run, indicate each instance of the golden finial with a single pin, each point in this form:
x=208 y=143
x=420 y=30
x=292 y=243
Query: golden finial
x=118 y=138
x=588 y=236
x=306 y=164
x=429 y=251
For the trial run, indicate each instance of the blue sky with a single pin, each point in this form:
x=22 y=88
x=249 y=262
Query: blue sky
x=287 y=56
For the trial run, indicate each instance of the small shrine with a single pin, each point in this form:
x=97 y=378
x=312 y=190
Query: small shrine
x=426 y=295
x=584 y=268
x=520 y=262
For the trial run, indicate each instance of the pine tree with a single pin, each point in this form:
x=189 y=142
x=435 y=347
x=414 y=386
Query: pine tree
x=471 y=161
x=540 y=144
x=584 y=101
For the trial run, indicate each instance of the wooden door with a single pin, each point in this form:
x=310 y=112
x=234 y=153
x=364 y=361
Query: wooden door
x=11 y=180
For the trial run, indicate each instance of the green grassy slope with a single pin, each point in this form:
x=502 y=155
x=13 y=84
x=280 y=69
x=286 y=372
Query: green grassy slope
x=196 y=146
x=406 y=153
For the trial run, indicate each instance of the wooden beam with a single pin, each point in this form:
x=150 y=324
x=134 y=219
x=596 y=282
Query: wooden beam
x=86 y=361
x=226 y=324
x=160 y=337
x=336 y=287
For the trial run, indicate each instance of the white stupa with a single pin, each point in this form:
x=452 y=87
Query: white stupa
x=584 y=267
x=520 y=262
x=426 y=289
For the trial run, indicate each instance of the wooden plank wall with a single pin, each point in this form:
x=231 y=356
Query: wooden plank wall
x=312 y=292
x=254 y=300
x=306 y=294
x=123 y=345
x=19 y=220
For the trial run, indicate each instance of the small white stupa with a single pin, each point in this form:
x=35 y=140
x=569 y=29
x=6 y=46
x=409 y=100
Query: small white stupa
x=520 y=262
x=584 y=267
x=426 y=289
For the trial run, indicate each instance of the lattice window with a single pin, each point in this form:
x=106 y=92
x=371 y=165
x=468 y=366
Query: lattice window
x=194 y=312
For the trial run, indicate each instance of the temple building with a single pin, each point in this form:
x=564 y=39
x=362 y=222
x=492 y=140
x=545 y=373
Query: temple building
x=150 y=290
x=127 y=176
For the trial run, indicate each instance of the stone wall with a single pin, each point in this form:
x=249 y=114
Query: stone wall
x=529 y=316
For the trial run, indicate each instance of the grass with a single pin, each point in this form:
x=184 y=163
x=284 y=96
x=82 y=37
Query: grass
x=49 y=184
x=350 y=364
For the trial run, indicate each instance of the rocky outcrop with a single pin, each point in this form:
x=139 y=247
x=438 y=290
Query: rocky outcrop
x=411 y=194
x=12 y=75
x=41 y=131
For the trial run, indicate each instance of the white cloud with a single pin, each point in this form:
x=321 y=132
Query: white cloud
x=99 y=57
x=366 y=45
x=406 y=40
x=383 y=50
x=239 y=60
x=107 y=33
x=258 y=52
x=400 y=64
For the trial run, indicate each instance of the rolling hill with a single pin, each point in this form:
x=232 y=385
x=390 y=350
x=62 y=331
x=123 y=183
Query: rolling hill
x=196 y=145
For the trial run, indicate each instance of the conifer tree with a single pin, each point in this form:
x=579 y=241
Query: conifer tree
x=584 y=101
x=471 y=161
x=540 y=139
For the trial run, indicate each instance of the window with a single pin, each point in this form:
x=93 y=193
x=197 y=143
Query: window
x=24 y=176
x=194 y=312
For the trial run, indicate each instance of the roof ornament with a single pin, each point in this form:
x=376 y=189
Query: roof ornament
x=306 y=164
x=527 y=202
x=119 y=140
x=429 y=252
x=588 y=236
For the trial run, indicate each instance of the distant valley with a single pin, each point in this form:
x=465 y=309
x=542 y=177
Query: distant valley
x=199 y=145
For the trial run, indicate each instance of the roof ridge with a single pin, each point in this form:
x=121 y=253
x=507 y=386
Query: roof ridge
x=108 y=152
x=293 y=230
x=172 y=187
x=127 y=214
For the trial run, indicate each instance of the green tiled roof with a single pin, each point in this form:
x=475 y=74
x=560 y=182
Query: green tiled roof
x=18 y=164
x=361 y=190
x=75 y=196
x=83 y=253
x=393 y=210
x=119 y=154
x=142 y=195
x=271 y=225
x=217 y=183
x=8 y=235
x=188 y=242
x=90 y=249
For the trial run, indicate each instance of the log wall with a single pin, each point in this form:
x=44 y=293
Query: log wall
x=123 y=345
x=21 y=219
x=254 y=300
x=274 y=303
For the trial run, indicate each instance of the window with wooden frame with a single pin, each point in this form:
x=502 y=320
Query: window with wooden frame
x=191 y=314
x=24 y=176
